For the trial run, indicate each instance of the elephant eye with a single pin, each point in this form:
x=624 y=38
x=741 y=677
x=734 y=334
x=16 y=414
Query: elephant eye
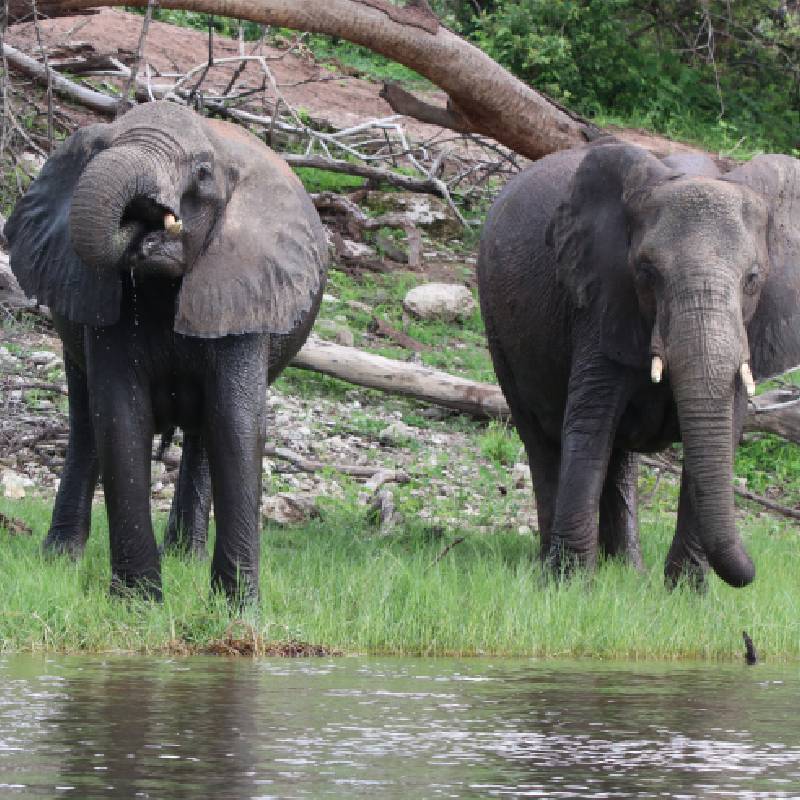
x=646 y=274
x=751 y=282
x=203 y=171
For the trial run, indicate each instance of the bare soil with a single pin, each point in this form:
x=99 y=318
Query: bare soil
x=332 y=95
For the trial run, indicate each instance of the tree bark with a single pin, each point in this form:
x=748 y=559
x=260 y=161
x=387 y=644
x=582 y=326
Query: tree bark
x=482 y=400
x=491 y=100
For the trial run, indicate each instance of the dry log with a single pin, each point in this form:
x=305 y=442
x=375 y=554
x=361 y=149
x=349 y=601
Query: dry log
x=482 y=400
x=96 y=101
x=776 y=412
x=354 y=470
x=485 y=400
x=409 y=105
x=376 y=174
x=493 y=101
x=379 y=327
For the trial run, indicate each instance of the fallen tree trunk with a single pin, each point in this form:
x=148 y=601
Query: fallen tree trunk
x=774 y=412
x=482 y=400
x=487 y=97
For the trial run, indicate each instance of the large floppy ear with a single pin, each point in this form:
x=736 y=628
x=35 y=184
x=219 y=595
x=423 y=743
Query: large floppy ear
x=589 y=232
x=38 y=232
x=774 y=330
x=264 y=267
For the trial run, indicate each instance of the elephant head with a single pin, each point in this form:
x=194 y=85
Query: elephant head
x=164 y=192
x=696 y=280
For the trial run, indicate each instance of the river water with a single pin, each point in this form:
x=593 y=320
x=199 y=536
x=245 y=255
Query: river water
x=90 y=727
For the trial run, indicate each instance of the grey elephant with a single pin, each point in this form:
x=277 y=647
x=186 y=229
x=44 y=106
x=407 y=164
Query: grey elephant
x=184 y=265
x=629 y=305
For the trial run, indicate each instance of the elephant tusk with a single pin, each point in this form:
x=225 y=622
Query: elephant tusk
x=656 y=369
x=747 y=379
x=172 y=226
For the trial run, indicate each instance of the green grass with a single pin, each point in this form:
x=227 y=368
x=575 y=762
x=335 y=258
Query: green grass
x=334 y=582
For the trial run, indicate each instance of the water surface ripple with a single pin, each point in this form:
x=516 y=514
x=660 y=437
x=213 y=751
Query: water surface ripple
x=395 y=728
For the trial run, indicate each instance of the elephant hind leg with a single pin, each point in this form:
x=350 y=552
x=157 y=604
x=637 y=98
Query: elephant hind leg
x=72 y=512
x=619 y=513
x=187 y=528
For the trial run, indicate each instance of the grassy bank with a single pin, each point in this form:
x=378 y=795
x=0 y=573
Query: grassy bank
x=335 y=582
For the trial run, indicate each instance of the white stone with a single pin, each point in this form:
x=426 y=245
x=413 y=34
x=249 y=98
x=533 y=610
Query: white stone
x=442 y=301
x=42 y=357
x=520 y=475
x=14 y=484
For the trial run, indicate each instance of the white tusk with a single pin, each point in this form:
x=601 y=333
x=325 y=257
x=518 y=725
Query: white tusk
x=747 y=379
x=172 y=226
x=656 y=369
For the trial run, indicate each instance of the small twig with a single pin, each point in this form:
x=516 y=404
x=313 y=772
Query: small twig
x=447 y=550
x=311 y=465
x=131 y=82
x=49 y=78
x=662 y=463
x=14 y=526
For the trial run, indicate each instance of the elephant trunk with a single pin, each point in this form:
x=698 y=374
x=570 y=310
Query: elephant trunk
x=704 y=358
x=101 y=220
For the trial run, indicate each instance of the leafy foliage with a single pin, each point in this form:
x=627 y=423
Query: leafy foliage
x=735 y=64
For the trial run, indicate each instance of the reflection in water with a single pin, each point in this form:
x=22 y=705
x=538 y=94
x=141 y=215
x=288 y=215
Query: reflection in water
x=175 y=728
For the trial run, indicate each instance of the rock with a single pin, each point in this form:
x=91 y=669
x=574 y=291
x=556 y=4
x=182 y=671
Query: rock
x=33 y=161
x=439 y=301
x=396 y=432
x=429 y=213
x=42 y=357
x=14 y=484
x=351 y=249
x=288 y=508
x=520 y=475
x=341 y=333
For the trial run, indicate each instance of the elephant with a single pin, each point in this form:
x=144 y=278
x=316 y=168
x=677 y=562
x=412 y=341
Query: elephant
x=630 y=304
x=184 y=264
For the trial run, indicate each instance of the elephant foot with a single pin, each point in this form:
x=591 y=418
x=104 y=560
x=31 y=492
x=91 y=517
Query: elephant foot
x=143 y=586
x=62 y=542
x=563 y=562
x=241 y=594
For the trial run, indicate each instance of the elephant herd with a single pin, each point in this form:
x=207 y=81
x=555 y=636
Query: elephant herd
x=629 y=302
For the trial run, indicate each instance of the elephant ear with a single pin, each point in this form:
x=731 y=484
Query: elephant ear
x=589 y=232
x=263 y=269
x=774 y=330
x=41 y=253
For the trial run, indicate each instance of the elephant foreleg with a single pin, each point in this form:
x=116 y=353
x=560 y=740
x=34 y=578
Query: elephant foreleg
x=619 y=509
x=187 y=528
x=598 y=391
x=236 y=399
x=72 y=512
x=124 y=429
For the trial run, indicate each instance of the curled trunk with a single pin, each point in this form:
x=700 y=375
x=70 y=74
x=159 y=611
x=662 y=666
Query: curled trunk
x=99 y=222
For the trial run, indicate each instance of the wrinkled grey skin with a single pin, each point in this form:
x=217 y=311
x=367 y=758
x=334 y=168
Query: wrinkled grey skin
x=169 y=328
x=593 y=261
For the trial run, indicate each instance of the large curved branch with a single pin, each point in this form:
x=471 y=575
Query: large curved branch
x=489 y=98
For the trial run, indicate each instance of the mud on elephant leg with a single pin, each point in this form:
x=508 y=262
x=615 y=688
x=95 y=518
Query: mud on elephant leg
x=187 y=527
x=619 y=509
x=72 y=513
